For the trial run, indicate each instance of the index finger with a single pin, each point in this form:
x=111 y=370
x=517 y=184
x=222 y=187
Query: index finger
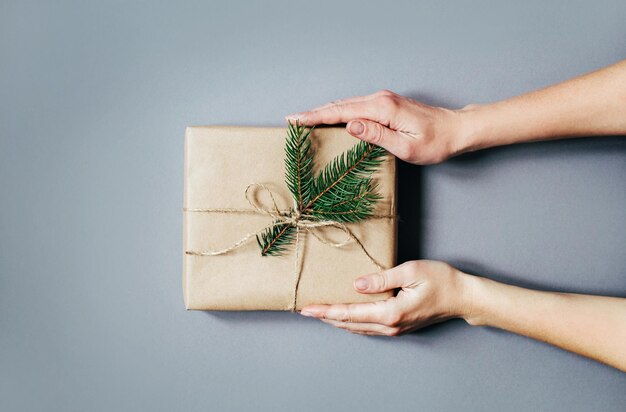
x=371 y=312
x=343 y=112
x=353 y=99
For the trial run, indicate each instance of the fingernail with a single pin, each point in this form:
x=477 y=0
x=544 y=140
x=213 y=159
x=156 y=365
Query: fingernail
x=306 y=313
x=294 y=116
x=361 y=283
x=356 y=127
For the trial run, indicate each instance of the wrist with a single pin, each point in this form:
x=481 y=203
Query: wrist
x=469 y=133
x=472 y=296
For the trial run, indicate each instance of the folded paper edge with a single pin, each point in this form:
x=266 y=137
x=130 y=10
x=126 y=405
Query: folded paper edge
x=184 y=231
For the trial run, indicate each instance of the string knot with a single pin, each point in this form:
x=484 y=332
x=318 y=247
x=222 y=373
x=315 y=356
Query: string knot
x=292 y=217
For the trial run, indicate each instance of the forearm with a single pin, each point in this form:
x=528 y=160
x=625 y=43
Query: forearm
x=589 y=105
x=592 y=326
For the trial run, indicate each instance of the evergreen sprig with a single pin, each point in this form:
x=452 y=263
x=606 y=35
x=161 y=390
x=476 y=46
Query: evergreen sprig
x=275 y=239
x=299 y=164
x=344 y=191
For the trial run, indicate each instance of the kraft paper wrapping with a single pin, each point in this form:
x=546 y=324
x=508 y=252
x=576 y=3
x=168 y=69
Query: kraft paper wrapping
x=220 y=162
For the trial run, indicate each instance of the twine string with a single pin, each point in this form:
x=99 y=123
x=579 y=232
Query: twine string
x=293 y=217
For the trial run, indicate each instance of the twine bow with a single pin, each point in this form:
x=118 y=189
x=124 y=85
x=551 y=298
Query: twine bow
x=292 y=217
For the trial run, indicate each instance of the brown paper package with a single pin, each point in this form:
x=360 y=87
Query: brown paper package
x=220 y=162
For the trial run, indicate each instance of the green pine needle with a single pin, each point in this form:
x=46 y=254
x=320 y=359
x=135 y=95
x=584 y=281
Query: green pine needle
x=344 y=190
x=299 y=164
x=275 y=239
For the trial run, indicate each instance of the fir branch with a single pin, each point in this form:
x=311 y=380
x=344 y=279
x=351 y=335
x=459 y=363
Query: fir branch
x=344 y=191
x=299 y=163
x=275 y=239
x=355 y=207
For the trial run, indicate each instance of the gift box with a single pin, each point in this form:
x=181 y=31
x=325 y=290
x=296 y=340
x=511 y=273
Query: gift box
x=232 y=178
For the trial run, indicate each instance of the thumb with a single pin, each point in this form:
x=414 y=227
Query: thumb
x=386 y=280
x=376 y=133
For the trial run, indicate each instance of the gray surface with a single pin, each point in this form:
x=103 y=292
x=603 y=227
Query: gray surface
x=93 y=102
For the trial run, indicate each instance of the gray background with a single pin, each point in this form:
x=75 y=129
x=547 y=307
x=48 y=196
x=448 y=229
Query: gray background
x=94 y=98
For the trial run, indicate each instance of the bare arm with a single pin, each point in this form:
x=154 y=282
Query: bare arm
x=592 y=326
x=590 y=105
x=431 y=292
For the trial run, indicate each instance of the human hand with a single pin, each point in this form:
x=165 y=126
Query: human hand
x=412 y=131
x=430 y=292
